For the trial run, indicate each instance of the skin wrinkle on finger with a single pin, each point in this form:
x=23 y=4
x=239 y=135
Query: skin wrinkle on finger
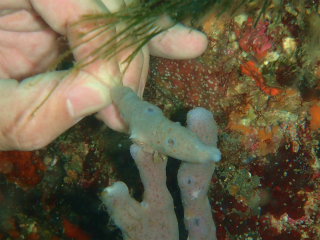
x=3 y=144
x=65 y=13
x=7 y=12
x=16 y=4
x=22 y=21
x=4 y=74
x=22 y=56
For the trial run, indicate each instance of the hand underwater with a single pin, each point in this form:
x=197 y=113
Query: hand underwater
x=37 y=106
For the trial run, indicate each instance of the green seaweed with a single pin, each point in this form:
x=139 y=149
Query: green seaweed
x=142 y=23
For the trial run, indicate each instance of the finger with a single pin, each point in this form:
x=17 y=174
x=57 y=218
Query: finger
x=21 y=20
x=86 y=36
x=114 y=6
x=129 y=2
x=106 y=70
x=178 y=42
x=27 y=53
x=40 y=108
x=110 y=115
x=17 y=4
x=60 y=14
x=135 y=76
x=145 y=70
x=117 y=5
x=132 y=72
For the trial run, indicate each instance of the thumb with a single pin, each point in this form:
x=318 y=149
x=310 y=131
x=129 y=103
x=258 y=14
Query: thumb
x=37 y=110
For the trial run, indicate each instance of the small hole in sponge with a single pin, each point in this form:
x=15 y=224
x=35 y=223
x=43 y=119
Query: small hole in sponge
x=196 y=221
x=171 y=142
x=150 y=109
x=189 y=180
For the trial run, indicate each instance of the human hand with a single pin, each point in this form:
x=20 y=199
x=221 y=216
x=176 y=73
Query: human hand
x=36 y=108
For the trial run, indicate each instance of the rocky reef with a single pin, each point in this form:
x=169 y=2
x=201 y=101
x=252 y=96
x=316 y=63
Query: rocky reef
x=260 y=76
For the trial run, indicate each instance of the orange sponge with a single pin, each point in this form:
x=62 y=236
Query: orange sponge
x=315 y=117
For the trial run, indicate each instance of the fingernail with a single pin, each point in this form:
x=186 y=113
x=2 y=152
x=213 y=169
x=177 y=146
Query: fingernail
x=71 y=111
x=141 y=89
x=139 y=93
x=85 y=100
